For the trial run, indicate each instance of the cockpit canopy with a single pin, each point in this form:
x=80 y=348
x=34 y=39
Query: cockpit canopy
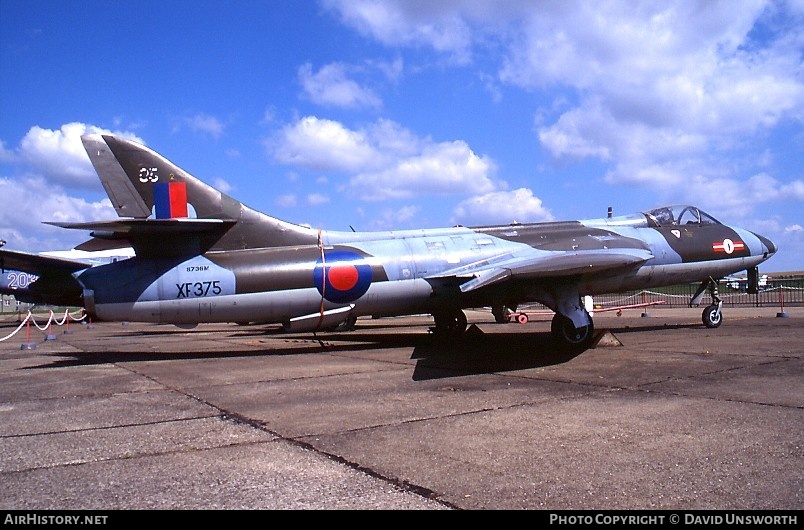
x=679 y=215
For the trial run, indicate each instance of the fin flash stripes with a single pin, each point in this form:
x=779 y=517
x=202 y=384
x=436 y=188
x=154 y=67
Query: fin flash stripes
x=170 y=199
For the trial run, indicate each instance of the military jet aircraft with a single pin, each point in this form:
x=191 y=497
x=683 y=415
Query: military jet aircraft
x=202 y=256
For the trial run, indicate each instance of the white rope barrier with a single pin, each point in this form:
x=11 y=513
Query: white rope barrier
x=51 y=319
x=63 y=320
x=43 y=328
x=28 y=317
x=82 y=313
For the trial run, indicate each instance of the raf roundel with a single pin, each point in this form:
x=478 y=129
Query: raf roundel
x=342 y=276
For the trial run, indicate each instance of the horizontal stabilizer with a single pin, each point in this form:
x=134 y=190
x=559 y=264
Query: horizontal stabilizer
x=137 y=228
x=97 y=244
x=158 y=237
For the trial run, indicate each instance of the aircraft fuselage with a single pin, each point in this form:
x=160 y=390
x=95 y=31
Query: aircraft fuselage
x=418 y=271
x=202 y=256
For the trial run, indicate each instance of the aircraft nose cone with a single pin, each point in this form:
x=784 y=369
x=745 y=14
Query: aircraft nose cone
x=768 y=244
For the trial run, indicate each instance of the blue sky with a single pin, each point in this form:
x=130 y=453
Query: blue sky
x=411 y=113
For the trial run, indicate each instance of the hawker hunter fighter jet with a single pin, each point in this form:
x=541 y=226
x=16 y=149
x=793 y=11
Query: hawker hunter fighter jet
x=202 y=256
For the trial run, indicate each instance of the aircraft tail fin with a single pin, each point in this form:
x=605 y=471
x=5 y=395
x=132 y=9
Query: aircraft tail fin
x=142 y=184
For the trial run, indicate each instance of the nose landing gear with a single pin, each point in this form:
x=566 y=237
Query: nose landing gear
x=712 y=316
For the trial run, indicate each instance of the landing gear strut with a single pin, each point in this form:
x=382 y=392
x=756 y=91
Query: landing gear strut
x=500 y=313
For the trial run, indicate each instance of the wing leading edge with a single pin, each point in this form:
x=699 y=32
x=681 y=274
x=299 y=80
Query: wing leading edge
x=39 y=265
x=545 y=265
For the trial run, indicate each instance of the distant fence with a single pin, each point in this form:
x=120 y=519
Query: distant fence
x=776 y=293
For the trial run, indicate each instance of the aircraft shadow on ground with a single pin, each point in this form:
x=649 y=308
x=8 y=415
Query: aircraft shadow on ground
x=472 y=353
x=642 y=329
x=475 y=354
x=91 y=358
x=436 y=357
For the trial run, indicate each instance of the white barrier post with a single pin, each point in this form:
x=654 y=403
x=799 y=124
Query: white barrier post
x=28 y=345
x=67 y=322
x=781 y=313
x=50 y=335
x=645 y=313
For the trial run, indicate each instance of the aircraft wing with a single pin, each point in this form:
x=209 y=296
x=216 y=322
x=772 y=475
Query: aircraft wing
x=545 y=265
x=55 y=284
x=39 y=265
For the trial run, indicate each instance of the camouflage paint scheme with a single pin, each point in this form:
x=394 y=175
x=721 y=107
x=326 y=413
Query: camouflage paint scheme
x=225 y=262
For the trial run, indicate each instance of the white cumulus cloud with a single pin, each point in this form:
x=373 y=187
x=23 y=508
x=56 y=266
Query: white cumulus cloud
x=386 y=161
x=331 y=86
x=59 y=156
x=502 y=207
x=323 y=144
x=53 y=168
x=28 y=203
x=666 y=94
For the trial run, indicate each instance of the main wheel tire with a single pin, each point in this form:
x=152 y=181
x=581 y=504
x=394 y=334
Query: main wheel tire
x=712 y=316
x=563 y=329
x=450 y=323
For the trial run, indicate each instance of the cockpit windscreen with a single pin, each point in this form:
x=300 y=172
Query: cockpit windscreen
x=679 y=215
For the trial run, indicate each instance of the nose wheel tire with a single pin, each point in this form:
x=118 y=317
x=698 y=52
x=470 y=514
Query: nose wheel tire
x=712 y=316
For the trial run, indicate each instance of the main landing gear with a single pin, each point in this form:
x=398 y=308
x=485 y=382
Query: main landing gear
x=449 y=322
x=563 y=329
x=452 y=323
x=501 y=314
